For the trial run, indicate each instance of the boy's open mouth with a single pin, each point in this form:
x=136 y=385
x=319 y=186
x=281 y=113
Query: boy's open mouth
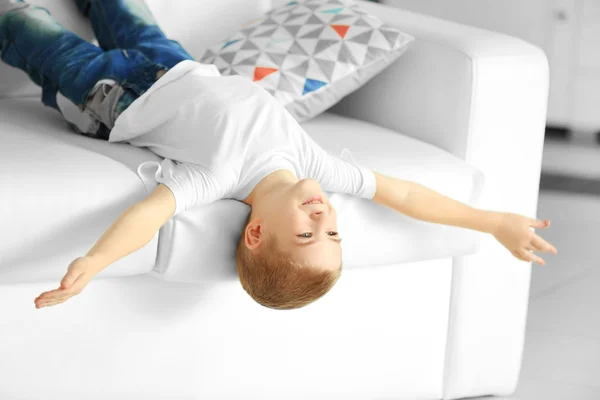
x=314 y=200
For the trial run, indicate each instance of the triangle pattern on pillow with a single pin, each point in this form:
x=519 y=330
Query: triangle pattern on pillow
x=312 y=44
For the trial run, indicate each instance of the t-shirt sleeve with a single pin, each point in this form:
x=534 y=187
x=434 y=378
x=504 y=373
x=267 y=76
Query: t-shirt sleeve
x=191 y=184
x=337 y=174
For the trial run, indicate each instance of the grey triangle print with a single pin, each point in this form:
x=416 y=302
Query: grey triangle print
x=228 y=57
x=285 y=84
x=300 y=69
x=249 y=45
x=314 y=34
x=297 y=49
x=269 y=21
x=347 y=19
x=267 y=33
x=292 y=29
x=323 y=44
x=248 y=31
x=313 y=6
x=249 y=60
x=391 y=37
x=361 y=22
x=345 y=55
x=369 y=21
x=208 y=56
x=297 y=19
x=291 y=17
x=300 y=11
x=314 y=20
x=277 y=58
x=281 y=10
x=326 y=66
x=280 y=18
x=362 y=38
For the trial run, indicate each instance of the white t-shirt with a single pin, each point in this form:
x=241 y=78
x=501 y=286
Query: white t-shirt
x=221 y=135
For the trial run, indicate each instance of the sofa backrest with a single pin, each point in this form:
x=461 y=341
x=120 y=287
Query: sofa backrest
x=196 y=24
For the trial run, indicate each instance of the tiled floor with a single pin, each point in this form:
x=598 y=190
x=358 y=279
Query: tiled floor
x=561 y=360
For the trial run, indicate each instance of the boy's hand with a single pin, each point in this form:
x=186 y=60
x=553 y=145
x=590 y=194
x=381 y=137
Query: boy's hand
x=80 y=272
x=134 y=228
x=514 y=232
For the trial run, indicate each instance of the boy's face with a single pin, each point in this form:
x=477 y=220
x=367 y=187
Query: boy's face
x=306 y=231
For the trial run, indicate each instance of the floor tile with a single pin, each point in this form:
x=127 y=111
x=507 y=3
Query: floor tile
x=561 y=358
x=556 y=274
x=574 y=229
x=573 y=309
x=546 y=389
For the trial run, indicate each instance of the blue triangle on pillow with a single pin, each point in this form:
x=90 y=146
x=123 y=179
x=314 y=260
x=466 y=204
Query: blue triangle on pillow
x=312 y=85
x=333 y=10
x=230 y=43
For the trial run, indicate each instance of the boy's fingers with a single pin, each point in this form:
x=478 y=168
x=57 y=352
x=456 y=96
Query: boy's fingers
x=51 y=302
x=61 y=294
x=533 y=247
x=528 y=256
x=539 y=223
x=63 y=298
x=57 y=293
x=64 y=294
x=50 y=294
x=542 y=245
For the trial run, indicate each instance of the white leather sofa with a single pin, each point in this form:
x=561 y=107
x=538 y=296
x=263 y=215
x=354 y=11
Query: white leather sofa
x=422 y=311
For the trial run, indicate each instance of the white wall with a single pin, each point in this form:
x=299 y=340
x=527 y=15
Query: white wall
x=524 y=19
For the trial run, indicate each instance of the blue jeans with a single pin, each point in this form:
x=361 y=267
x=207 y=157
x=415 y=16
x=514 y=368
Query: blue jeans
x=133 y=49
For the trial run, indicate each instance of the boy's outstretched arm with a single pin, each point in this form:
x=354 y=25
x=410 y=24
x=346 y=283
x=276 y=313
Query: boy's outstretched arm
x=134 y=228
x=420 y=202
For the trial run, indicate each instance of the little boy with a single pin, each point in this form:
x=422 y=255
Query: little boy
x=220 y=137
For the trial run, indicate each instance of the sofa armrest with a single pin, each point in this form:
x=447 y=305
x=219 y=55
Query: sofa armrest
x=481 y=96
x=453 y=83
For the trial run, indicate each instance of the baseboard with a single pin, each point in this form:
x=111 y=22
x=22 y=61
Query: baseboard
x=569 y=184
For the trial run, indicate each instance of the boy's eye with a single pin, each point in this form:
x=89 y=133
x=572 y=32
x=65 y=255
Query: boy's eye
x=308 y=233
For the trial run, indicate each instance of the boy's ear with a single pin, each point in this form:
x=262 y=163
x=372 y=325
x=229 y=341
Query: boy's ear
x=253 y=235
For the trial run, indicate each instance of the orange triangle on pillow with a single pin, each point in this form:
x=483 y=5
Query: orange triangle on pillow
x=341 y=29
x=261 y=72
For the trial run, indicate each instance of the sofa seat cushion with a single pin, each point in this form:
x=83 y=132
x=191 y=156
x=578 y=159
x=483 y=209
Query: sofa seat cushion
x=200 y=243
x=59 y=192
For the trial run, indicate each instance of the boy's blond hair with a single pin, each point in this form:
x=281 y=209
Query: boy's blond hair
x=275 y=280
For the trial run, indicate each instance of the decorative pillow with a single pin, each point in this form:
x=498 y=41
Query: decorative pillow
x=309 y=54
